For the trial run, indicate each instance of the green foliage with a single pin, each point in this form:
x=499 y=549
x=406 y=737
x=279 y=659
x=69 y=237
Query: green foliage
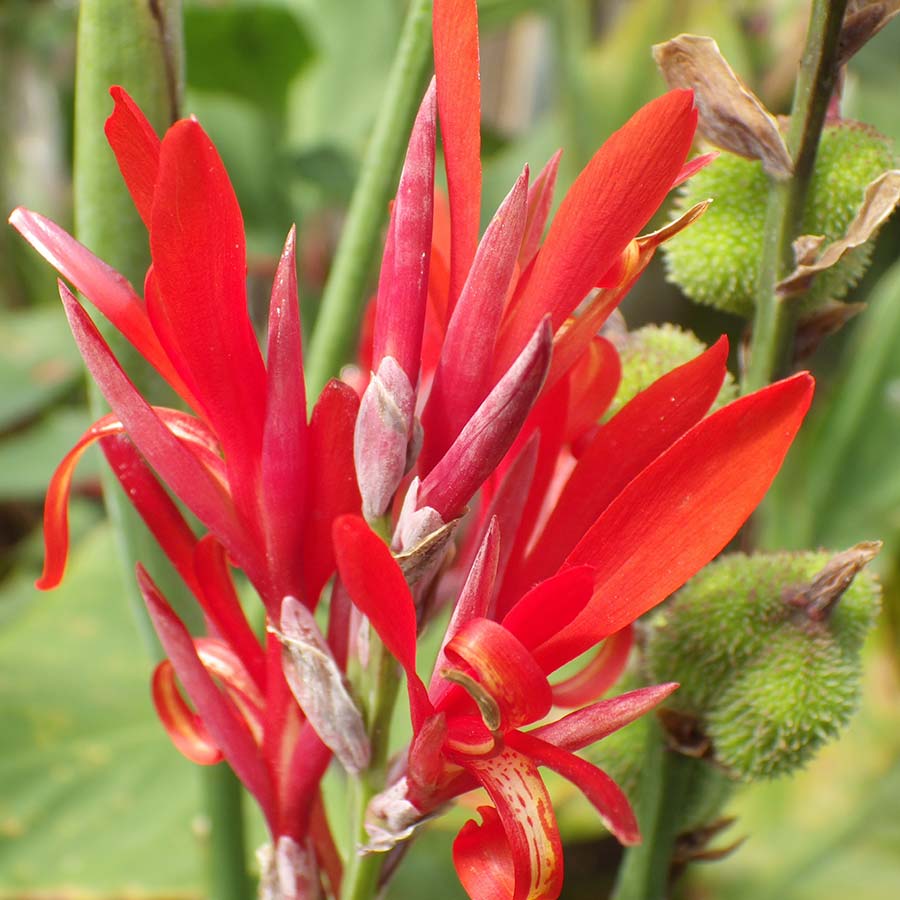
x=767 y=683
x=651 y=352
x=716 y=260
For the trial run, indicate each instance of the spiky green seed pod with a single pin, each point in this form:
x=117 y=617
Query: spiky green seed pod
x=716 y=260
x=650 y=352
x=766 y=649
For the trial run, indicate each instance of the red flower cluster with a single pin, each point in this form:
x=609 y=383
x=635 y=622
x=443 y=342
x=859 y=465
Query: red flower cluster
x=488 y=383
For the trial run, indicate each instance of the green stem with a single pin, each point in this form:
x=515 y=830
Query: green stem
x=338 y=318
x=139 y=45
x=362 y=872
x=665 y=786
x=773 y=325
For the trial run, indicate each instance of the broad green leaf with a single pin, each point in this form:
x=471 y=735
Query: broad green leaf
x=92 y=794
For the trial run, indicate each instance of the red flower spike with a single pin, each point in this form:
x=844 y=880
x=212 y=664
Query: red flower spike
x=596 y=785
x=489 y=433
x=455 y=29
x=109 y=291
x=220 y=717
x=600 y=674
x=199 y=308
x=649 y=424
x=504 y=669
x=184 y=727
x=600 y=719
x=692 y=499
x=284 y=471
x=136 y=146
x=540 y=202
x=378 y=589
x=526 y=814
x=594 y=224
x=403 y=283
x=331 y=486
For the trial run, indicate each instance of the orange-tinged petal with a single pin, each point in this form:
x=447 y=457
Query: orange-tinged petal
x=600 y=674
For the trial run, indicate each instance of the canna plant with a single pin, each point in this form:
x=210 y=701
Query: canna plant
x=462 y=465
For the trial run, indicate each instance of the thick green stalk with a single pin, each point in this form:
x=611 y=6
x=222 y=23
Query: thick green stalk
x=773 y=325
x=338 y=320
x=138 y=44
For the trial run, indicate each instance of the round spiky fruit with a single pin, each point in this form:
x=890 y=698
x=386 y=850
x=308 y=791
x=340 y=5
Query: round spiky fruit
x=716 y=260
x=650 y=352
x=766 y=649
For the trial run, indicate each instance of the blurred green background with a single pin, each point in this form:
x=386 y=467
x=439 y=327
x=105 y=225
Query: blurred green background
x=94 y=802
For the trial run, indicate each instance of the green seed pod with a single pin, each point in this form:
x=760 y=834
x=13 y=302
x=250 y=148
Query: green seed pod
x=716 y=260
x=650 y=352
x=766 y=649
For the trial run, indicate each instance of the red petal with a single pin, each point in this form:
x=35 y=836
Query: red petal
x=482 y=858
x=224 y=724
x=403 y=283
x=540 y=202
x=693 y=166
x=624 y=446
x=463 y=376
x=284 y=471
x=595 y=784
x=505 y=669
x=459 y=106
x=185 y=728
x=526 y=814
x=200 y=308
x=136 y=146
x=609 y=203
x=490 y=432
x=109 y=291
x=331 y=487
x=595 y=722
x=593 y=382
x=683 y=509
x=600 y=674
x=378 y=589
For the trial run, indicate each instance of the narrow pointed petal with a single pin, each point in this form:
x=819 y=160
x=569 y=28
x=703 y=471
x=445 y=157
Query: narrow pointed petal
x=284 y=470
x=595 y=722
x=331 y=488
x=625 y=445
x=320 y=688
x=136 y=146
x=109 y=291
x=178 y=466
x=474 y=598
x=378 y=589
x=199 y=306
x=526 y=814
x=220 y=717
x=463 y=376
x=403 y=283
x=184 y=727
x=693 y=166
x=683 y=509
x=540 y=202
x=611 y=200
x=600 y=674
x=456 y=68
x=595 y=784
x=490 y=432
x=220 y=602
x=593 y=382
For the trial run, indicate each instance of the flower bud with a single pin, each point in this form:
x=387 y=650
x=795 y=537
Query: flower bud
x=716 y=260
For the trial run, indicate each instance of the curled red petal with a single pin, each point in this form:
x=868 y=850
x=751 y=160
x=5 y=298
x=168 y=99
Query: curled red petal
x=594 y=783
x=455 y=31
x=136 y=146
x=378 y=589
x=482 y=858
x=600 y=674
x=183 y=725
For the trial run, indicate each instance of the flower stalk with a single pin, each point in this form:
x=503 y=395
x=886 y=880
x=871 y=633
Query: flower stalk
x=338 y=318
x=773 y=325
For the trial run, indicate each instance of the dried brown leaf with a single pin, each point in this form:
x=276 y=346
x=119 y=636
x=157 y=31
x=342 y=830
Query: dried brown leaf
x=822 y=323
x=731 y=115
x=881 y=198
x=862 y=21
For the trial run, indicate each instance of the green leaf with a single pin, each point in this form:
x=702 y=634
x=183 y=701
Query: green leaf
x=91 y=791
